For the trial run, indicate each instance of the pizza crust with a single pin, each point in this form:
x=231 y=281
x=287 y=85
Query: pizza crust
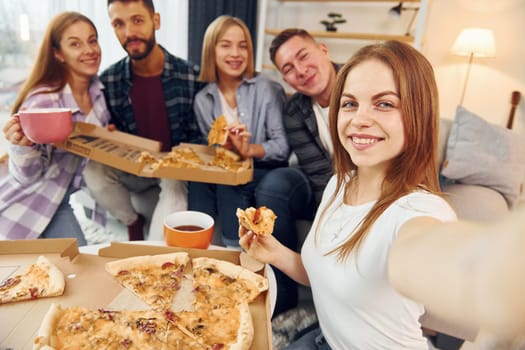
x=114 y=267
x=57 y=282
x=45 y=332
x=260 y=221
x=246 y=332
x=233 y=271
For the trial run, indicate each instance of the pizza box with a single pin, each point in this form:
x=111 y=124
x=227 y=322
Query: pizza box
x=123 y=151
x=89 y=285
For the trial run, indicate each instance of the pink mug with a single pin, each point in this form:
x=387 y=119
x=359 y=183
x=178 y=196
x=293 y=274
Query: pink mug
x=46 y=125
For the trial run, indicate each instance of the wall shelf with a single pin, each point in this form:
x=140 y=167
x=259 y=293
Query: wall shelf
x=276 y=12
x=357 y=36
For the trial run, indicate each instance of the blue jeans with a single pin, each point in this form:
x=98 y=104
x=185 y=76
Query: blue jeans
x=313 y=340
x=288 y=193
x=222 y=201
x=64 y=223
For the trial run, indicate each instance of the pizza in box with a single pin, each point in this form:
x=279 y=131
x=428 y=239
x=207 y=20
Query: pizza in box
x=216 y=317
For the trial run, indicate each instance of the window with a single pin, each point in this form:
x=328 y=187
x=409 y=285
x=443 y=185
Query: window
x=23 y=22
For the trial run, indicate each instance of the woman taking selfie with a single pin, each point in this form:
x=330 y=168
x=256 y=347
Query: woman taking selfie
x=384 y=245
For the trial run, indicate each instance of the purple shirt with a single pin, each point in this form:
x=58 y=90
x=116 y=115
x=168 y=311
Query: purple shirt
x=149 y=108
x=40 y=175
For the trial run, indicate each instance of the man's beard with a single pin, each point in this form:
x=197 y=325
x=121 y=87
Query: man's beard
x=150 y=44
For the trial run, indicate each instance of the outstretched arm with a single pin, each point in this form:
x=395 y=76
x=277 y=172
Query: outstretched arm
x=465 y=272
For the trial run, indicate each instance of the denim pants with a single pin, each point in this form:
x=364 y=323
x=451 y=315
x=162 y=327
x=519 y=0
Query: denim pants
x=288 y=193
x=222 y=201
x=313 y=340
x=64 y=223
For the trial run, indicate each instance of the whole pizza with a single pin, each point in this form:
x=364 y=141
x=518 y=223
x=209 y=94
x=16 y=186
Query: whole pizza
x=218 y=318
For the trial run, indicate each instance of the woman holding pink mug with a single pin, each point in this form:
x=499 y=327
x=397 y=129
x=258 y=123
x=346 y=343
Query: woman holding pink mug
x=34 y=197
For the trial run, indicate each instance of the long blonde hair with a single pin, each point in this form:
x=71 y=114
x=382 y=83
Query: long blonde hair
x=416 y=166
x=47 y=70
x=214 y=32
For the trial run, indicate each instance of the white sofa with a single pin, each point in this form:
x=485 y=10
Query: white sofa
x=471 y=202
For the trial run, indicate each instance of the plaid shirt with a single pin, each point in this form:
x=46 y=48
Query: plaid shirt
x=40 y=175
x=179 y=83
x=303 y=136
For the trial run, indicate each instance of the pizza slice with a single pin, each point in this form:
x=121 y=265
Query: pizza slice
x=260 y=221
x=40 y=279
x=218 y=135
x=229 y=160
x=223 y=283
x=81 y=328
x=155 y=279
x=212 y=326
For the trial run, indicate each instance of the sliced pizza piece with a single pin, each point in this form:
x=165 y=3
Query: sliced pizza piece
x=218 y=135
x=81 y=328
x=40 y=279
x=211 y=326
x=260 y=221
x=155 y=279
x=226 y=283
x=229 y=160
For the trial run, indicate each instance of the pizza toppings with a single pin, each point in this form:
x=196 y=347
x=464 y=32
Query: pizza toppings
x=154 y=279
x=9 y=283
x=225 y=282
x=40 y=279
x=82 y=328
x=219 y=320
x=260 y=221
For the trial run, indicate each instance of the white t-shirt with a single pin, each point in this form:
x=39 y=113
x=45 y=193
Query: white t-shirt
x=356 y=306
x=231 y=113
x=321 y=116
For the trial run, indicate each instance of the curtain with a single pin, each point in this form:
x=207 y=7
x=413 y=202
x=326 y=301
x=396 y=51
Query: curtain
x=203 y=12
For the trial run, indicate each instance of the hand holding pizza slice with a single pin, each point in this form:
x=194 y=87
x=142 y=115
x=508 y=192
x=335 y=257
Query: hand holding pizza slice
x=260 y=221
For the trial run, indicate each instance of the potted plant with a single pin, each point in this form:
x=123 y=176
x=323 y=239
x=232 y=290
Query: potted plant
x=330 y=24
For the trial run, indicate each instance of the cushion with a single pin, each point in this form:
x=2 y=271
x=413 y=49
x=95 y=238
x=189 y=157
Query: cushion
x=481 y=153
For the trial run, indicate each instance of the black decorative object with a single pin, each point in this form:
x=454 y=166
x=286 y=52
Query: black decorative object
x=335 y=18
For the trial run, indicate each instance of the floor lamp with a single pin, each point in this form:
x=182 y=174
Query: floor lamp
x=473 y=42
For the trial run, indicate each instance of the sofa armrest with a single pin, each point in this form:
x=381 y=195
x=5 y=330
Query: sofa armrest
x=475 y=203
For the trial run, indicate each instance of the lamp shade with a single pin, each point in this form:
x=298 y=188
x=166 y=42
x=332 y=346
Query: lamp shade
x=478 y=42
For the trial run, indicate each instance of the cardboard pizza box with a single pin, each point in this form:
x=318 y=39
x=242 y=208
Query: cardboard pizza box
x=204 y=173
x=89 y=285
x=123 y=151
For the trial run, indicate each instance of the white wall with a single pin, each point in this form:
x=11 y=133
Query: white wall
x=491 y=80
x=172 y=33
